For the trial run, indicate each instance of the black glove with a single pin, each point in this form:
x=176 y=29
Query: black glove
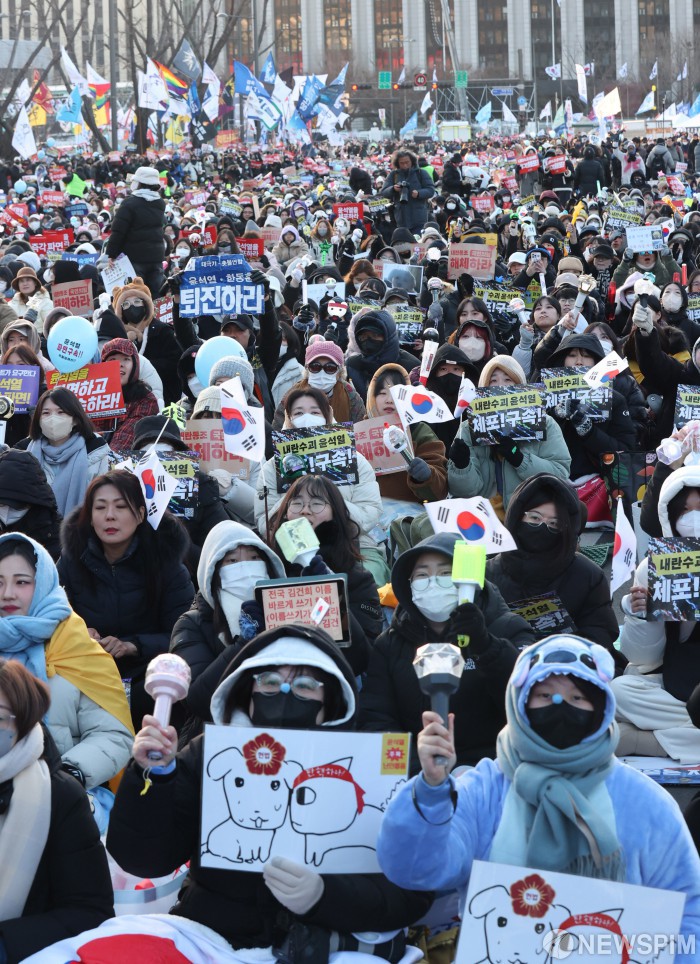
x=317 y=567
x=460 y=454
x=419 y=471
x=508 y=449
x=305 y=314
x=258 y=277
x=465 y=284
x=468 y=627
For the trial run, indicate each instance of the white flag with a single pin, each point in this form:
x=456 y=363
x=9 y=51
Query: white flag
x=157 y=487
x=685 y=70
x=74 y=76
x=581 y=82
x=605 y=370
x=624 y=559
x=426 y=105
x=647 y=104
x=622 y=72
x=508 y=115
x=23 y=137
x=402 y=76
x=467 y=394
x=554 y=71
x=419 y=405
x=654 y=71
x=210 y=101
x=475 y=520
x=546 y=110
x=244 y=427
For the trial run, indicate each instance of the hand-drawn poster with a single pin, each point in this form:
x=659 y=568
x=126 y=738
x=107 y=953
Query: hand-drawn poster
x=315 y=797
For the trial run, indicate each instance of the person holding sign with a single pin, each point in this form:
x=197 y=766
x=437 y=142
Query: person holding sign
x=138 y=226
x=140 y=400
x=324 y=370
x=555 y=798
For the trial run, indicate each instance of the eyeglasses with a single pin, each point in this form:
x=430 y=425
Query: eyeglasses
x=6 y=721
x=316 y=506
x=303 y=687
x=422 y=583
x=133 y=303
x=535 y=520
x=328 y=367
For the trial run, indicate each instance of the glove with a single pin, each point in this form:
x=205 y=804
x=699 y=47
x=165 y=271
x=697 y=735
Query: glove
x=468 y=626
x=297 y=888
x=641 y=317
x=357 y=235
x=305 y=315
x=297 y=276
x=664 y=251
x=223 y=480
x=508 y=449
x=31 y=315
x=580 y=420
x=526 y=338
x=335 y=239
x=251 y=620
x=258 y=277
x=317 y=567
x=628 y=255
x=460 y=454
x=419 y=471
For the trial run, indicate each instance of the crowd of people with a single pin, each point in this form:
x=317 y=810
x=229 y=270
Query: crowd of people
x=526 y=770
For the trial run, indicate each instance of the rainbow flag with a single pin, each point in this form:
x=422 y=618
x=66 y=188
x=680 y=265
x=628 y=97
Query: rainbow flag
x=175 y=86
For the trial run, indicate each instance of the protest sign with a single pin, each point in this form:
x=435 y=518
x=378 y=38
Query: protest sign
x=312 y=796
x=80 y=257
x=528 y=163
x=118 y=273
x=551 y=916
x=252 y=249
x=376 y=205
x=406 y=276
x=21 y=384
x=52 y=242
x=369 y=441
x=55 y=199
x=219 y=284
x=515 y=411
x=163 y=310
x=208 y=234
x=483 y=204
x=562 y=384
x=181 y=466
x=478 y=260
x=693 y=309
x=675 y=185
x=270 y=236
x=546 y=614
x=619 y=218
x=409 y=321
x=555 y=164
x=232 y=208
x=687 y=405
x=326 y=450
x=498 y=297
x=196 y=198
x=674 y=579
x=98 y=387
x=78 y=209
x=76 y=296
x=206 y=438
x=317 y=292
x=528 y=202
x=309 y=600
x=641 y=239
x=351 y=211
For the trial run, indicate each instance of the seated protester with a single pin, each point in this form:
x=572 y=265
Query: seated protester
x=89 y=716
x=63 y=441
x=55 y=866
x=546 y=314
x=289 y=369
x=496 y=471
x=449 y=365
x=232 y=366
x=474 y=333
x=139 y=399
x=27 y=501
x=585 y=439
x=425 y=479
x=17 y=427
x=317 y=499
x=545 y=518
x=324 y=371
x=428 y=611
x=557 y=747
x=361 y=270
x=374 y=333
x=310 y=408
x=31 y=299
x=289 y=246
x=674 y=304
x=23 y=333
x=625 y=382
x=127 y=580
x=664 y=667
x=658 y=263
x=273 y=681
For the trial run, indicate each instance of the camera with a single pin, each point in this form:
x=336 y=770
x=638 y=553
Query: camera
x=403 y=196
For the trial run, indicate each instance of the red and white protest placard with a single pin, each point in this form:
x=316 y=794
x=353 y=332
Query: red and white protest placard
x=76 y=296
x=55 y=199
x=98 y=387
x=196 y=198
x=369 y=441
x=21 y=210
x=478 y=260
x=52 y=242
x=352 y=212
x=528 y=163
x=555 y=165
x=57 y=173
x=675 y=184
x=163 y=310
x=483 y=204
x=208 y=234
x=270 y=236
x=251 y=248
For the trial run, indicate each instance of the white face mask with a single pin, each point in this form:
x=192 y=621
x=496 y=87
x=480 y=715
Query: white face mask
x=56 y=427
x=195 y=385
x=240 y=578
x=435 y=602
x=322 y=231
x=165 y=447
x=688 y=525
x=473 y=347
x=182 y=252
x=672 y=302
x=323 y=381
x=308 y=421
x=8 y=515
x=606 y=345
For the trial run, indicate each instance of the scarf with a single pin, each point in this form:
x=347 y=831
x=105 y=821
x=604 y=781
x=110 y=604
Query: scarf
x=558 y=814
x=23 y=637
x=68 y=463
x=146 y=194
x=25 y=827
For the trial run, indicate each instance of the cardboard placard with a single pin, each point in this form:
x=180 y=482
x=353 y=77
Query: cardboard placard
x=555 y=165
x=376 y=205
x=252 y=249
x=369 y=441
x=516 y=411
x=687 y=405
x=76 y=296
x=317 y=292
x=546 y=614
x=528 y=163
x=484 y=203
x=497 y=297
x=21 y=384
x=270 y=236
x=293 y=600
x=675 y=185
x=119 y=273
x=206 y=438
x=52 y=241
x=409 y=322
x=406 y=276
x=208 y=234
x=561 y=384
x=478 y=260
x=314 y=796
x=98 y=387
x=674 y=579
x=232 y=208
x=647 y=238
x=196 y=198
x=182 y=466
x=327 y=450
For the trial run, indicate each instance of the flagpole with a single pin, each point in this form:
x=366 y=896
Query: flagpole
x=114 y=103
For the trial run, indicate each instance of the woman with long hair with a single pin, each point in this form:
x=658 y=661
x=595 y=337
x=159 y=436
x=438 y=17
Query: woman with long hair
x=140 y=400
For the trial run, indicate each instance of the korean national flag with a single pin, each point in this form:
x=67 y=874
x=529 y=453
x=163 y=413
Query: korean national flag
x=604 y=372
x=467 y=394
x=419 y=405
x=624 y=559
x=244 y=427
x=475 y=520
x=157 y=487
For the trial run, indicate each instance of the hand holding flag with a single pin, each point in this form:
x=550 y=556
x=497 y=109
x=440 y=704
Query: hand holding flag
x=475 y=520
x=244 y=427
x=624 y=559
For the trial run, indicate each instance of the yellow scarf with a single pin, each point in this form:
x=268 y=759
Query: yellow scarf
x=72 y=654
x=681 y=356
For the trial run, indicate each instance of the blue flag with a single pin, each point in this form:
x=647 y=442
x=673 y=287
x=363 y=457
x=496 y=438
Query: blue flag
x=269 y=71
x=340 y=79
x=193 y=100
x=695 y=107
x=70 y=111
x=309 y=97
x=410 y=125
x=246 y=82
x=484 y=115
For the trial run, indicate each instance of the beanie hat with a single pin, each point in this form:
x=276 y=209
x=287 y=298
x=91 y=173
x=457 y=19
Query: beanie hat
x=134 y=289
x=208 y=400
x=229 y=367
x=30 y=258
x=324 y=349
x=570 y=264
x=150 y=428
x=147 y=176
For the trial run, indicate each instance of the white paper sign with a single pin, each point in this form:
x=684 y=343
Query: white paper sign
x=118 y=273
x=318 y=292
x=645 y=238
x=538 y=917
x=315 y=797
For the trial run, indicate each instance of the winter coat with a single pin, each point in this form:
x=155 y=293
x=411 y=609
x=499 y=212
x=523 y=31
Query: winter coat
x=361 y=368
x=286 y=378
x=97 y=458
x=154 y=834
x=415 y=212
x=589 y=176
x=663 y=374
x=137 y=230
x=72 y=890
x=391 y=699
x=283 y=252
x=663 y=271
x=668 y=164
x=21 y=473
x=628 y=167
x=357 y=407
x=41 y=303
x=163 y=352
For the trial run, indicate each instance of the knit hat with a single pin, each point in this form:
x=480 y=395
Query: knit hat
x=570 y=264
x=324 y=349
x=148 y=429
x=229 y=367
x=504 y=363
x=146 y=177
x=26 y=272
x=134 y=289
x=30 y=258
x=208 y=400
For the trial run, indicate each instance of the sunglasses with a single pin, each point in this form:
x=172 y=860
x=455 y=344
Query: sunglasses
x=328 y=367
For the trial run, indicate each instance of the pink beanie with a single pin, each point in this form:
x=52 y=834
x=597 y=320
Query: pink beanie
x=325 y=349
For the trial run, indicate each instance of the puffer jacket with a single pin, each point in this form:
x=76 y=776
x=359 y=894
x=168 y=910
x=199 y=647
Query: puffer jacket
x=41 y=303
x=137 y=229
x=663 y=374
x=391 y=699
x=284 y=253
x=21 y=473
x=664 y=270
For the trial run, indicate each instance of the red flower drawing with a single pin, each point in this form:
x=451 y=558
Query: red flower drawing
x=263 y=755
x=532 y=897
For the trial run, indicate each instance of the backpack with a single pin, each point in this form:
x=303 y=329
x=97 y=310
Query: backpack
x=655 y=165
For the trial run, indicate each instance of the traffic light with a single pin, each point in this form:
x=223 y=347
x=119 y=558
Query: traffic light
x=354 y=87
x=395 y=86
x=435 y=85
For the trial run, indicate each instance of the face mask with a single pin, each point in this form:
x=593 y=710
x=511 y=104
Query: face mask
x=182 y=252
x=435 y=602
x=7 y=739
x=322 y=231
x=134 y=314
x=672 y=302
x=195 y=385
x=450 y=207
x=284 y=709
x=689 y=525
x=225 y=248
x=164 y=447
x=283 y=350
x=449 y=384
x=8 y=515
x=605 y=345
x=323 y=381
x=536 y=538
x=561 y=724
x=56 y=427
x=240 y=578
x=308 y=421
x=473 y=347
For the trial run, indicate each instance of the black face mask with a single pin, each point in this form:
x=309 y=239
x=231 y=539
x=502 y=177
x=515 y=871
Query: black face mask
x=561 y=724
x=134 y=314
x=285 y=710
x=537 y=538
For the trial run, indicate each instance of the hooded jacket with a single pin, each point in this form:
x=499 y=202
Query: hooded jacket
x=446 y=431
x=580 y=584
x=361 y=368
x=391 y=699
x=663 y=374
x=162 y=829
x=287 y=252
x=22 y=482
x=488 y=473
